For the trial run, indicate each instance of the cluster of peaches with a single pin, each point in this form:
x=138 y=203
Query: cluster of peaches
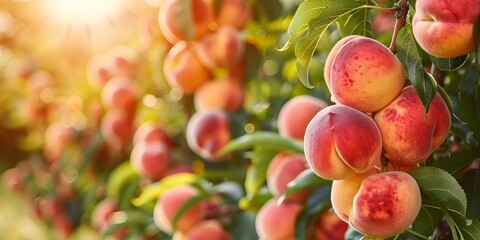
x=376 y=120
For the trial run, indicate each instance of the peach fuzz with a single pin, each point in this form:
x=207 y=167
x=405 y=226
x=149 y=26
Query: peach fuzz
x=362 y=73
x=150 y=159
x=445 y=28
x=235 y=13
x=151 y=132
x=330 y=227
x=211 y=228
x=169 y=204
x=284 y=168
x=385 y=205
x=341 y=141
x=117 y=128
x=207 y=132
x=120 y=93
x=277 y=222
x=219 y=94
x=183 y=69
x=409 y=135
x=221 y=49
x=295 y=115
x=202 y=15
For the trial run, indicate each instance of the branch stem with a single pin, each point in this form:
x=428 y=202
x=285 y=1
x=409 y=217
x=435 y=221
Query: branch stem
x=401 y=19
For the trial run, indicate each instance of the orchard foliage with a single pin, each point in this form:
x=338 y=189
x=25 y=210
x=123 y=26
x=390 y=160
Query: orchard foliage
x=253 y=119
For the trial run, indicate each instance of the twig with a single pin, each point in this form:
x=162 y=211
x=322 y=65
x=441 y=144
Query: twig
x=401 y=19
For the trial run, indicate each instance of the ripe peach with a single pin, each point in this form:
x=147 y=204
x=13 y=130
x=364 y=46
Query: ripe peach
x=168 y=205
x=221 y=49
x=330 y=227
x=362 y=73
x=150 y=132
x=409 y=135
x=201 y=14
x=150 y=159
x=219 y=94
x=120 y=93
x=117 y=128
x=385 y=205
x=341 y=141
x=277 y=222
x=211 y=228
x=207 y=132
x=284 y=168
x=295 y=115
x=445 y=28
x=100 y=70
x=183 y=69
x=102 y=213
x=235 y=13
x=124 y=61
x=57 y=138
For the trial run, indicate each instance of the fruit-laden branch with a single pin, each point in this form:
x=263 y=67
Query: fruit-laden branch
x=401 y=18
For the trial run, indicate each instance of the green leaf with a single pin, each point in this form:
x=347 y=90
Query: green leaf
x=469 y=103
x=308 y=25
x=442 y=189
x=184 y=18
x=352 y=234
x=357 y=23
x=456 y=162
x=470 y=229
x=426 y=221
x=118 y=178
x=256 y=173
x=306 y=180
x=243 y=226
x=411 y=59
x=189 y=204
x=155 y=190
x=476 y=37
x=301 y=225
x=267 y=140
x=449 y=64
x=471 y=184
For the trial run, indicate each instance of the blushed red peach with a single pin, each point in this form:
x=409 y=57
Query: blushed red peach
x=183 y=69
x=207 y=132
x=444 y=28
x=295 y=115
x=235 y=13
x=100 y=70
x=330 y=227
x=168 y=205
x=102 y=213
x=409 y=135
x=219 y=94
x=221 y=49
x=150 y=159
x=150 y=132
x=283 y=168
x=168 y=18
x=341 y=141
x=120 y=93
x=363 y=74
x=386 y=204
x=277 y=222
x=211 y=228
x=117 y=128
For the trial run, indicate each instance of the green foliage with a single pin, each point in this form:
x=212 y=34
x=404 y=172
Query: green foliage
x=411 y=59
x=306 y=180
x=449 y=64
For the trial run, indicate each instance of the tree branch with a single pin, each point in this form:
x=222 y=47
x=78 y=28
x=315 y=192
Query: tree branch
x=401 y=19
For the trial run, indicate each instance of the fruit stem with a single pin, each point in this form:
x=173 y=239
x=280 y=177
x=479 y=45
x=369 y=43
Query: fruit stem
x=438 y=75
x=401 y=18
x=384 y=161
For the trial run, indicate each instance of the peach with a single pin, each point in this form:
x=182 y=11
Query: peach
x=219 y=94
x=330 y=227
x=57 y=138
x=168 y=19
x=362 y=73
x=150 y=159
x=277 y=222
x=409 y=135
x=150 y=132
x=283 y=168
x=235 y=13
x=295 y=115
x=211 y=228
x=168 y=205
x=207 y=132
x=183 y=69
x=102 y=213
x=341 y=141
x=100 y=70
x=385 y=204
x=124 y=61
x=445 y=28
x=117 y=129
x=120 y=93
x=221 y=49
